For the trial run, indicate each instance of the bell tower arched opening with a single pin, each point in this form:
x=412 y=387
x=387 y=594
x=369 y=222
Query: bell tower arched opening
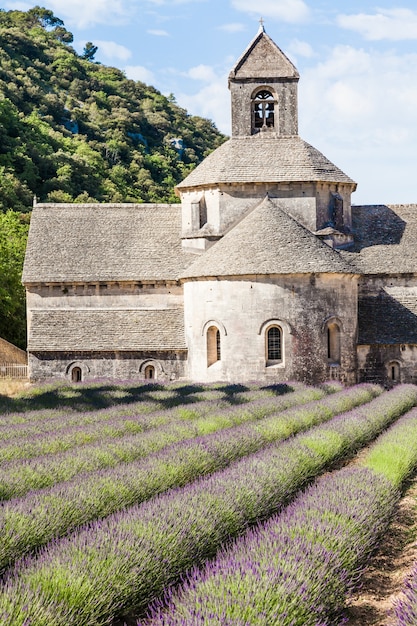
x=264 y=110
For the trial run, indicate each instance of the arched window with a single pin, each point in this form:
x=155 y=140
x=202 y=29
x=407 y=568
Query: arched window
x=149 y=372
x=76 y=375
x=263 y=110
x=333 y=343
x=213 y=345
x=394 y=372
x=274 y=344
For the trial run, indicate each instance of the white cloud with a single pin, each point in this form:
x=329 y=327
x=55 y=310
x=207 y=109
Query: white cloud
x=391 y=24
x=158 y=33
x=170 y=2
x=111 y=50
x=212 y=102
x=202 y=72
x=300 y=48
x=360 y=110
x=18 y=6
x=234 y=27
x=357 y=92
x=139 y=72
x=286 y=10
x=84 y=13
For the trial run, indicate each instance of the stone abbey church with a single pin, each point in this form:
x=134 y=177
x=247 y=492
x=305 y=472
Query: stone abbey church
x=264 y=272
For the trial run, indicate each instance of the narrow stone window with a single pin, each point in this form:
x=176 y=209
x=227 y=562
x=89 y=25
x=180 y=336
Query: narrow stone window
x=274 y=344
x=76 y=375
x=263 y=108
x=149 y=372
x=333 y=344
x=213 y=345
x=394 y=372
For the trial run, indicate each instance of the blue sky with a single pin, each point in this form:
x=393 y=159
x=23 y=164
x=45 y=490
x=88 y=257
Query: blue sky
x=357 y=61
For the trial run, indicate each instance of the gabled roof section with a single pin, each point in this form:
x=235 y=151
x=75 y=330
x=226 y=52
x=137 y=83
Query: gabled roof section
x=104 y=242
x=106 y=330
x=385 y=239
x=262 y=158
x=263 y=59
x=385 y=319
x=267 y=241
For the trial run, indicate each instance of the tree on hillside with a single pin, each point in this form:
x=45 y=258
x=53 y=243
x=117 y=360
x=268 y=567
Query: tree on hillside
x=13 y=236
x=72 y=130
x=44 y=17
x=89 y=51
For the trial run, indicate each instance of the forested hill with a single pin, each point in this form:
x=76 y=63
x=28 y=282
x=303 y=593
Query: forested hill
x=73 y=130
x=76 y=130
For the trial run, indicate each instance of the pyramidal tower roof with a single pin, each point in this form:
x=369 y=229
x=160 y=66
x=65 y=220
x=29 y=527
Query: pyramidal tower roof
x=263 y=58
x=275 y=244
x=265 y=146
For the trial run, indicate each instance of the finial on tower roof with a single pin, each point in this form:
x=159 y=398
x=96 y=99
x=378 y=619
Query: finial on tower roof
x=261 y=27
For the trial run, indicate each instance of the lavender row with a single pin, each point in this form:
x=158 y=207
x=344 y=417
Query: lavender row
x=91 y=425
x=73 y=437
x=299 y=567
x=30 y=426
x=405 y=608
x=121 y=563
x=191 y=404
x=132 y=399
x=49 y=513
x=37 y=422
x=20 y=476
x=294 y=569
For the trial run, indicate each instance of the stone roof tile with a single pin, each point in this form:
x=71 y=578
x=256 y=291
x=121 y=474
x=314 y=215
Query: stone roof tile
x=385 y=239
x=264 y=158
x=104 y=242
x=383 y=319
x=267 y=241
x=106 y=330
x=263 y=59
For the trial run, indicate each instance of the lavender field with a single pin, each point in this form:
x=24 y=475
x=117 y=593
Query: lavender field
x=234 y=505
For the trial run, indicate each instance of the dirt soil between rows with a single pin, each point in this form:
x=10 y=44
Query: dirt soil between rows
x=383 y=579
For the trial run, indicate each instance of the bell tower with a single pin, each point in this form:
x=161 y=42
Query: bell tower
x=263 y=86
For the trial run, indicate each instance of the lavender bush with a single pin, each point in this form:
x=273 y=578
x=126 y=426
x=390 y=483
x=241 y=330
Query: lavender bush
x=179 y=424
x=396 y=465
x=27 y=441
x=297 y=568
x=54 y=512
x=35 y=422
x=405 y=609
x=121 y=563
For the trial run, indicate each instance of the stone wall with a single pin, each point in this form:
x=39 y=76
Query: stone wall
x=103 y=295
x=122 y=365
x=167 y=366
x=243 y=309
x=307 y=203
x=387 y=364
x=286 y=107
x=387 y=350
